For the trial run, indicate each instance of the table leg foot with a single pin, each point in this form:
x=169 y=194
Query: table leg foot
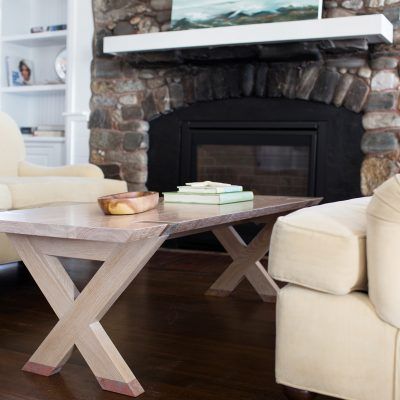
x=133 y=388
x=40 y=369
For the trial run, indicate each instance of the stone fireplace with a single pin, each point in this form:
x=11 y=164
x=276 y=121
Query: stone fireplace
x=348 y=90
x=273 y=146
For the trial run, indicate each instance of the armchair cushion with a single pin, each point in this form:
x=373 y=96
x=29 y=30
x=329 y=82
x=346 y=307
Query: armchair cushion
x=37 y=191
x=322 y=247
x=84 y=170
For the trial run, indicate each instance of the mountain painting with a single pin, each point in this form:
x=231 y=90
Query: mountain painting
x=194 y=14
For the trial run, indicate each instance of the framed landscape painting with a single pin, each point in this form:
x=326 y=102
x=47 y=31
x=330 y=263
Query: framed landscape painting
x=196 y=14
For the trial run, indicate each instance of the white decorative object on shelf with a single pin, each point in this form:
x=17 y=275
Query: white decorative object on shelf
x=60 y=64
x=49 y=98
x=375 y=28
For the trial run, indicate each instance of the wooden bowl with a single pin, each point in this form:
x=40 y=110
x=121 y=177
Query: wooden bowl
x=128 y=203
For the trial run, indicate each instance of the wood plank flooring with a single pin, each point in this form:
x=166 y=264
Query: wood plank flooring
x=180 y=344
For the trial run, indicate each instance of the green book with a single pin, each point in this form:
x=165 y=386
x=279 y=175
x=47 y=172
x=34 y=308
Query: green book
x=217 y=198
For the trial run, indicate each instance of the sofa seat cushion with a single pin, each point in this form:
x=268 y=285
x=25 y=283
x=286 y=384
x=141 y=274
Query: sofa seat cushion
x=322 y=247
x=38 y=191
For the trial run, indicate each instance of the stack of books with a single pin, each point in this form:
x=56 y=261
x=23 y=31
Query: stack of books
x=44 y=131
x=208 y=193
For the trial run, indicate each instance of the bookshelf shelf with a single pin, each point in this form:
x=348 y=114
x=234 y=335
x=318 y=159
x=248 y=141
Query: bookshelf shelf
x=42 y=39
x=34 y=89
x=35 y=139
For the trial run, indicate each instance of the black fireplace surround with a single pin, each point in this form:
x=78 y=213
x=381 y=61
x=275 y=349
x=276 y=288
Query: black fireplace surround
x=331 y=136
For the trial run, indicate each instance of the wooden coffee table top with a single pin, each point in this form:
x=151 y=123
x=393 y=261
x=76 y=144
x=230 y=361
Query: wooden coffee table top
x=87 y=222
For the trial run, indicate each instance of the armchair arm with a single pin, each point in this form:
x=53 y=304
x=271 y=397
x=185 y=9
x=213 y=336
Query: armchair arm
x=5 y=198
x=83 y=170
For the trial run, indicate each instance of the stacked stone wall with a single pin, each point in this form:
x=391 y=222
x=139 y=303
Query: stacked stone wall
x=130 y=90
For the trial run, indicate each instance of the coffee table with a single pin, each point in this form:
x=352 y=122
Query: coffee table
x=125 y=244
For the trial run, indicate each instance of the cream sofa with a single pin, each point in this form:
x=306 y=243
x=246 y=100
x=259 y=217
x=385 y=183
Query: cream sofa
x=24 y=185
x=338 y=318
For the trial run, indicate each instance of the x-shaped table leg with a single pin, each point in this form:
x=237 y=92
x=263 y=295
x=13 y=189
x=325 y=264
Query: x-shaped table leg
x=80 y=313
x=246 y=264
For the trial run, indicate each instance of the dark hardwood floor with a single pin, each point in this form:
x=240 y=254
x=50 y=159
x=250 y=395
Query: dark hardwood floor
x=180 y=344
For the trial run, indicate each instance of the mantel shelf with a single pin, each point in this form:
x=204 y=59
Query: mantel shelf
x=376 y=28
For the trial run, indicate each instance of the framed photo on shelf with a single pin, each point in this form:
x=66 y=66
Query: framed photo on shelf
x=20 y=71
x=215 y=13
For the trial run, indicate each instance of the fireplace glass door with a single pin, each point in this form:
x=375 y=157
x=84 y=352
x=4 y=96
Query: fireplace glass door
x=269 y=160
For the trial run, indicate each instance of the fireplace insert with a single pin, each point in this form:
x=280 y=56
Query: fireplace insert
x=270 y=146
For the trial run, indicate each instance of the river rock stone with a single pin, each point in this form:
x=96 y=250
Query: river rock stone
x=202 y=87
x=105 y=140
x=161 y=5
x=375 y=171
x=135 y=140
x=385 y=80
x=341 y=91
x=248 y=79
x=353 y=4
x=384 y=63
x=100 y=118
x=379 y=142
x=261 y=80
x=381 y=101
x=375 y=3
x=377 y=120
x=325 y=87
x=308 y=78
x=357 y=95
x=132 y=112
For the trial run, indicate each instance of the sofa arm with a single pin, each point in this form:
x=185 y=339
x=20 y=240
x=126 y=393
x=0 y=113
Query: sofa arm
x=82 y=170
x=5 y=198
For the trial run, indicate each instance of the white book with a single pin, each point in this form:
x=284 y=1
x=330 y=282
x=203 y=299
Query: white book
x=211 y=190
x=207 y=184
x=49 y=128
x=48 y=133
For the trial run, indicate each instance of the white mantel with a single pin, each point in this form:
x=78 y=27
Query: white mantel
x=376 y=28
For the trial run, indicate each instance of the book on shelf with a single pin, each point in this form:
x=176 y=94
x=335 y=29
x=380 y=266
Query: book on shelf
x=43 y=130
x=49 y=28
x=26 y=130
x=49 y=128
x=41 y=133
x=204 y=198
x=210 y=189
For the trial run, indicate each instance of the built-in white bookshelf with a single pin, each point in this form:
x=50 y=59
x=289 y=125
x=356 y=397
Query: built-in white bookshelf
x=49 y=100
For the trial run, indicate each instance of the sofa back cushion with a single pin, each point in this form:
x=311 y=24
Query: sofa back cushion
x=12 y=148
x=322 y=247
x=383 y=250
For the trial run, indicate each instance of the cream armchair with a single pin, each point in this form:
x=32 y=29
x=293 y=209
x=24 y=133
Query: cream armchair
x=25 y=185
x=338 y=318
